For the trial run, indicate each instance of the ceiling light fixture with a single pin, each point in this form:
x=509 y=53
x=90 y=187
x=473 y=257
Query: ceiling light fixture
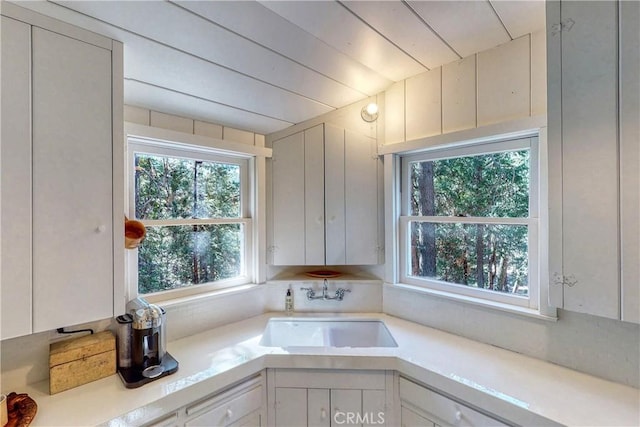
x=369 y=112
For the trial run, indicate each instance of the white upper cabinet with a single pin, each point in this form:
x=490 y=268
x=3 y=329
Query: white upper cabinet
x=72 y=181
x=298 y=198
x=593 y=150
x=325 y=198
x=630 y=158
x=61 y=191
x=15 y=179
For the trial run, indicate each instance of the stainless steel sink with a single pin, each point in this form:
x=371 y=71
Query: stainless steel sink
x=315 y=332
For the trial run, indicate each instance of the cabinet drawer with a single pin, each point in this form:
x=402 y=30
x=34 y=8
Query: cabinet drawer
x=227 y=407
x=412 y=419
x=224 y=412
x=166 y=421
x=445 y=409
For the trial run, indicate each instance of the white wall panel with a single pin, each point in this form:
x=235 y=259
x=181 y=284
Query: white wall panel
x=538 y=73
x=207 y=129
x=423 y=103
x=141 y=94
x=138 y=115
x=394 y=119
x=459 y=95
x=171 y=122
x=237 y=135
x=590 y=159
x=504 y=86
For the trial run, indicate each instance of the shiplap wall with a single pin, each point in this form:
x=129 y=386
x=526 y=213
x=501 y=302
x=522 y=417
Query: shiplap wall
x=504 y=83
x=157 y=119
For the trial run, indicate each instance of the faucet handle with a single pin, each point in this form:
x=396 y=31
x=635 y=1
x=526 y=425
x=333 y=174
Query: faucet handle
x=340 y=293
x=310 y=292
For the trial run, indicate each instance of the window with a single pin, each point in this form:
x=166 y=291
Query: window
x=469 y=221
x=194 y=205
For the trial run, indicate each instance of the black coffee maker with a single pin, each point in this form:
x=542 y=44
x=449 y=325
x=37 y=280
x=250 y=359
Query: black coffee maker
x=142 y=355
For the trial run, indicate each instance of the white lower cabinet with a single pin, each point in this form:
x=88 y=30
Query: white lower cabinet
x=324 y=398
x=241 y=405
x=421 y=407
x=412 y=419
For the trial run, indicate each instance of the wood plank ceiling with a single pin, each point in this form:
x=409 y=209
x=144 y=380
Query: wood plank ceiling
x=263 y=66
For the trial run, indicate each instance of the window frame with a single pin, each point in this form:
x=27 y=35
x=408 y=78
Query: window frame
x=532 y=301
x=151 y=146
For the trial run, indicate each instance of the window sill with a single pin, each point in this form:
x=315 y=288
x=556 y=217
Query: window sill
x=493 y=305
x=217 y=293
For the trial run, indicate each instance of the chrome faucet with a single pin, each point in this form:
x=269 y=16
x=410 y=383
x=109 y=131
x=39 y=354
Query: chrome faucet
x=311 y=294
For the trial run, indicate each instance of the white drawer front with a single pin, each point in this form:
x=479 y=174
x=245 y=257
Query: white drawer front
x=230 y=411
x=449 y=411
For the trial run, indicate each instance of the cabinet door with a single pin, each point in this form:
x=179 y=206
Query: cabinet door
x=590 y=158
x=346 y=405
x=15 y=293
x=334 y=171
x=630 y=158
x=319 y=407
x=361 y=199
x=374 y=408
x=314 y=196
x=411 y=419
x=72 y=181
x=291 y=406
x=288 y=200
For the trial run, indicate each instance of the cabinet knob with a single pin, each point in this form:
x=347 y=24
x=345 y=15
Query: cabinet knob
x=229 y=413
x=319 y=220
x=101 y=228
x=458 y=416
x=323 y=414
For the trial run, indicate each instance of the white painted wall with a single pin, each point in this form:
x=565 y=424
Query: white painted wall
x=602 y=347
x=501 y=84
x=157 y=119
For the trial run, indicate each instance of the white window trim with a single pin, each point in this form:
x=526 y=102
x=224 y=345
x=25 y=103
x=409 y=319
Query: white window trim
x=143 y=139
x=537 y=303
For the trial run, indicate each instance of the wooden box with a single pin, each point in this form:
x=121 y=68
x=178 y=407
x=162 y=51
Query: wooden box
x=81 y=360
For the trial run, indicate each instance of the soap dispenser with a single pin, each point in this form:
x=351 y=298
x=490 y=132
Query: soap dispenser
x=288 y=303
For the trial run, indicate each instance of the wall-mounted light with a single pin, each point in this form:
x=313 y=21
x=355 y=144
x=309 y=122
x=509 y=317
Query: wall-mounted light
x=369 y=113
